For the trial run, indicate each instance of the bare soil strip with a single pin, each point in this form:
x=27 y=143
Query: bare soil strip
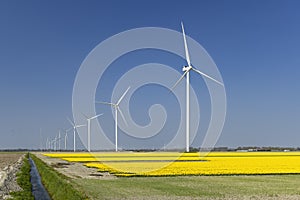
x=73 y=169
x=7 y=159
x=10 y=164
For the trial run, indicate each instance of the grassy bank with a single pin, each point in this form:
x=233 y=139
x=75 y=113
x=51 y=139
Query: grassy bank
x=58 y=185
x=23 y=180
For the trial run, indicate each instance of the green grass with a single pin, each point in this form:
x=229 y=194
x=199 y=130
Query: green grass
x=193 y=187
x=58 y=185
x=23 y=180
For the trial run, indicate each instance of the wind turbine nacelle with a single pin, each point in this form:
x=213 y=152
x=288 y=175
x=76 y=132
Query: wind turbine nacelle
x=186 y=68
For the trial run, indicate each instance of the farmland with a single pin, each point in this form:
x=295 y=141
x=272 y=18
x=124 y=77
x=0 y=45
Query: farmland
x=195 y=187
x=8 y=158
x=134 y=180
x=10 y=164
x=238 y=175
x=177 y=164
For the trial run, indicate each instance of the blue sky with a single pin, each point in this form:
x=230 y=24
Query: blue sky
x=255 y=45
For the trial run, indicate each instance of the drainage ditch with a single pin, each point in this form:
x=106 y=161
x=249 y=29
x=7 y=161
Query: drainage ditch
x=38 y=190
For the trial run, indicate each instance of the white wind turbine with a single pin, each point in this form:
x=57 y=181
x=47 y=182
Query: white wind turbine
x=54 y=143
x=47 y=143
x=74 y=131
x=117 y=109
x=186 y=73
x=89 y=128
x=58 y=139
x=50 y=144
x=66 y=137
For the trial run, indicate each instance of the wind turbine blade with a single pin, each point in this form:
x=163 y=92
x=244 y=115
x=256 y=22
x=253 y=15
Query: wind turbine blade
x=121 y=113
x=123 y=96
x=78 y=126
x=187 y=55
x=203 y=74
x=106 y=103
x=70 y=121
x=96 y=116
x=183 y=75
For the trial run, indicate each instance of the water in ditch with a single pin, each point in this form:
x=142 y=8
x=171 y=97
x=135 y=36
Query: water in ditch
x=38 y=190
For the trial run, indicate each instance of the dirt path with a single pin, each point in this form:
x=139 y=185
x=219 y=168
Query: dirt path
x=73 y=169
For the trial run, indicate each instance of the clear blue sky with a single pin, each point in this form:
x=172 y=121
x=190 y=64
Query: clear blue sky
x=255 y=44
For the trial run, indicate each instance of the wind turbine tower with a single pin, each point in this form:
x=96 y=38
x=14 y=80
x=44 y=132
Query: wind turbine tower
x=66 y=137
x=186 y=74
x=74 y=132
x=117 y=109
x=89 y=129
x=59 y=140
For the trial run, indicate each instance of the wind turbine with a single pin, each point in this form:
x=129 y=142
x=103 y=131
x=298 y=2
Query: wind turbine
x=59 y=139
x=117 y=108
x=186 y=74
x=41 y=139
x=51 y=145
x=89 y=128
x=47 y=143
x=54 y=143
x=74 y=131
x=66 y=137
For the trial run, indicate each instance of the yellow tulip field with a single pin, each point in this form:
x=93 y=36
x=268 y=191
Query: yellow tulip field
x=177 y=164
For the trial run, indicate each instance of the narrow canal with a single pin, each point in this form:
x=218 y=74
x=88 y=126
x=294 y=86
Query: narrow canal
x=38 y=190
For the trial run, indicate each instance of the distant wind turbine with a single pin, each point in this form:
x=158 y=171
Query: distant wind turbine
x=47 y=143
x=41 y=139
x=66 y=137
x=58 y=139
x=117 y=109
x=54 y=143
x=186 y=73
x=74 y=131
x=89 y=128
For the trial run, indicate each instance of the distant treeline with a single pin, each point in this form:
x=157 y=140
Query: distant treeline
x=254 y=148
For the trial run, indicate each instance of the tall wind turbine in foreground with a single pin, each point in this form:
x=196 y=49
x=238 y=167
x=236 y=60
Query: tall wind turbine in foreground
x=89 y=128
x=117 y=109
x=186 y=73
x=74 y=131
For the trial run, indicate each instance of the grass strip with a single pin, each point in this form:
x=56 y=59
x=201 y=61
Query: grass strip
x=58 y=185
x=23 y=180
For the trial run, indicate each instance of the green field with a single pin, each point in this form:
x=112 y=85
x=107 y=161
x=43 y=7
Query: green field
x=194 y=187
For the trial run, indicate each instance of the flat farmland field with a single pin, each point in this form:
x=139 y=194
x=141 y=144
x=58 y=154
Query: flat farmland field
x=8 y=158
x=254 y=187
x=126 y=164
x=171 y=175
